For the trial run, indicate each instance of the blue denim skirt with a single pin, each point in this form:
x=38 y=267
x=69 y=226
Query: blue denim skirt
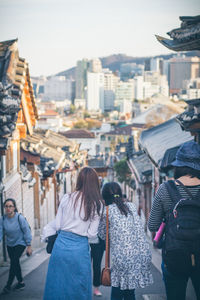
x=69 y=271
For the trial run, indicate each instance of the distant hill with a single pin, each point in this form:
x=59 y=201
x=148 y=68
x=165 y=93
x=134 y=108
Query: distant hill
x=69 y=73
x=114 y=61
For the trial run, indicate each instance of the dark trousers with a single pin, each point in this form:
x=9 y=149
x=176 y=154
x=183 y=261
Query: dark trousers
x=117 y=294
x=15 y=270
x=96 y=256
x=175 y=285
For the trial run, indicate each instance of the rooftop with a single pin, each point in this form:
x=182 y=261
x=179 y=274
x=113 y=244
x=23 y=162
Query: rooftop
x=14 y=81
x=142 y=166
x=78 y=134
x=161 y=138
x=49 y=113
x=185 y=38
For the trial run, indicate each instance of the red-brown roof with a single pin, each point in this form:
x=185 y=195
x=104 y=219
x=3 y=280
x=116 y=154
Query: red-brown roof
x=78 y=134
x=49 y=112
x=125 y=130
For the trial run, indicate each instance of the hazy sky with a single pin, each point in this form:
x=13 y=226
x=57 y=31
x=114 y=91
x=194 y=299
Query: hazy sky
x=54 y=34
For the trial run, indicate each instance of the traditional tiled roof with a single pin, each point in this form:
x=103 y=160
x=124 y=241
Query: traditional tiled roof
x=185 y=38
x=159 y=139
x=142 y=166
x=96 y=163
x=78 y=134
x=125 y=130
x=26 y=175
x=190 y=119
x=53 y=149
x=15 y=90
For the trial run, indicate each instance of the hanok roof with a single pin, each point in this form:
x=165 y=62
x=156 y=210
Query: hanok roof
x=26 y=175
x=142 y=166
x=124 y=130
x=185 y=38
x=157 y=140
x=54 y=150
x=78 y=134
x=16 y=92
x=96 y=163
x=190 y=119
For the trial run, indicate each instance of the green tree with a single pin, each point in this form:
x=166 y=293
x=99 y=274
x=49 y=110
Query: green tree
x=86 y=114
x=122 y=171
x=72 y=109
x=81 y=124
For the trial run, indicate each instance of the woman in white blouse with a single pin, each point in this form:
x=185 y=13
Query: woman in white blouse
x=77 y=219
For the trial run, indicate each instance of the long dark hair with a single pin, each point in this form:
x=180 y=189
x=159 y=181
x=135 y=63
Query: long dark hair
x=88 y=187
x=13 y=202
x=112 y=193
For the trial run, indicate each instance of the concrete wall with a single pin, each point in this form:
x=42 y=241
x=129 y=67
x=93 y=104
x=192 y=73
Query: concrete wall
x=28 y=205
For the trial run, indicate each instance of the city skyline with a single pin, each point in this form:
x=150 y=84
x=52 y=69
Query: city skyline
x=53 y=35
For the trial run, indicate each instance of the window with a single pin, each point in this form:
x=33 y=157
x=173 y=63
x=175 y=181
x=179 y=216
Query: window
x=103 y=138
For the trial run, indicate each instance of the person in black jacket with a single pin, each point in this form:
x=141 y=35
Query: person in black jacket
x=187 y=180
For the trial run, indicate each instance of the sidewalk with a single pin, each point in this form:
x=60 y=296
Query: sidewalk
x=38 y=256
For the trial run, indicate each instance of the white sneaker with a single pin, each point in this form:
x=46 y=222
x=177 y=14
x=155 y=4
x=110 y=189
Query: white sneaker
x=97 y=292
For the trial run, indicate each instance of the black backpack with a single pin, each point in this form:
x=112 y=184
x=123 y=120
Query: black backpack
x=181 y=247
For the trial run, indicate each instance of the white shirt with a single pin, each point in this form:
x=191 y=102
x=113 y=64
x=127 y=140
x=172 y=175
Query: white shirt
x=70 y=219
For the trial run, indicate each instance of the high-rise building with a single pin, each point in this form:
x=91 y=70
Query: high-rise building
x=38 y=85
x=156 y=64
x=95 y=91
x=95 y=65
x=130 y=70
x=193 y=88
x=181 y=70
x=57 y=88
x=81 y=78
x=124 y=94
x=110 y=83
x=138 y=87
x=150 y=84
x=110 y=80
x=158 y=84
x=166 y=69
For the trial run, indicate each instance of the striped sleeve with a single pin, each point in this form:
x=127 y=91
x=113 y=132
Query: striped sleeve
x=162 y=203
x=157 y=213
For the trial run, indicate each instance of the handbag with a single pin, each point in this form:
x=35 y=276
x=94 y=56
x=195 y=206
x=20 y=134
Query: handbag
x=50 y=242
x=106 y=274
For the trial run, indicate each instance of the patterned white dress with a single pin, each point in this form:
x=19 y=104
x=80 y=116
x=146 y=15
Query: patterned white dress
x=130 y=251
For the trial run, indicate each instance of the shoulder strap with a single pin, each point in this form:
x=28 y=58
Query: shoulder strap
x=20 y=225
x=107 y=256
x=188 y=191
x=173 y=192
x=3 y=218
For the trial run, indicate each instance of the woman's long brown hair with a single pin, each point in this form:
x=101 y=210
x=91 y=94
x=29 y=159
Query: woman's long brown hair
x=88 y=188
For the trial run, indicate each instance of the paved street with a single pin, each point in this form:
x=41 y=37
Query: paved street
x=35 y=269
x=36 y=279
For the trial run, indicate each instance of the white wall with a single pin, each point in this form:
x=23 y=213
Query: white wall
x=95 y=91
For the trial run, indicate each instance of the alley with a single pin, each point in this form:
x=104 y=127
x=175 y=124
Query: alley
x=35 y=270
